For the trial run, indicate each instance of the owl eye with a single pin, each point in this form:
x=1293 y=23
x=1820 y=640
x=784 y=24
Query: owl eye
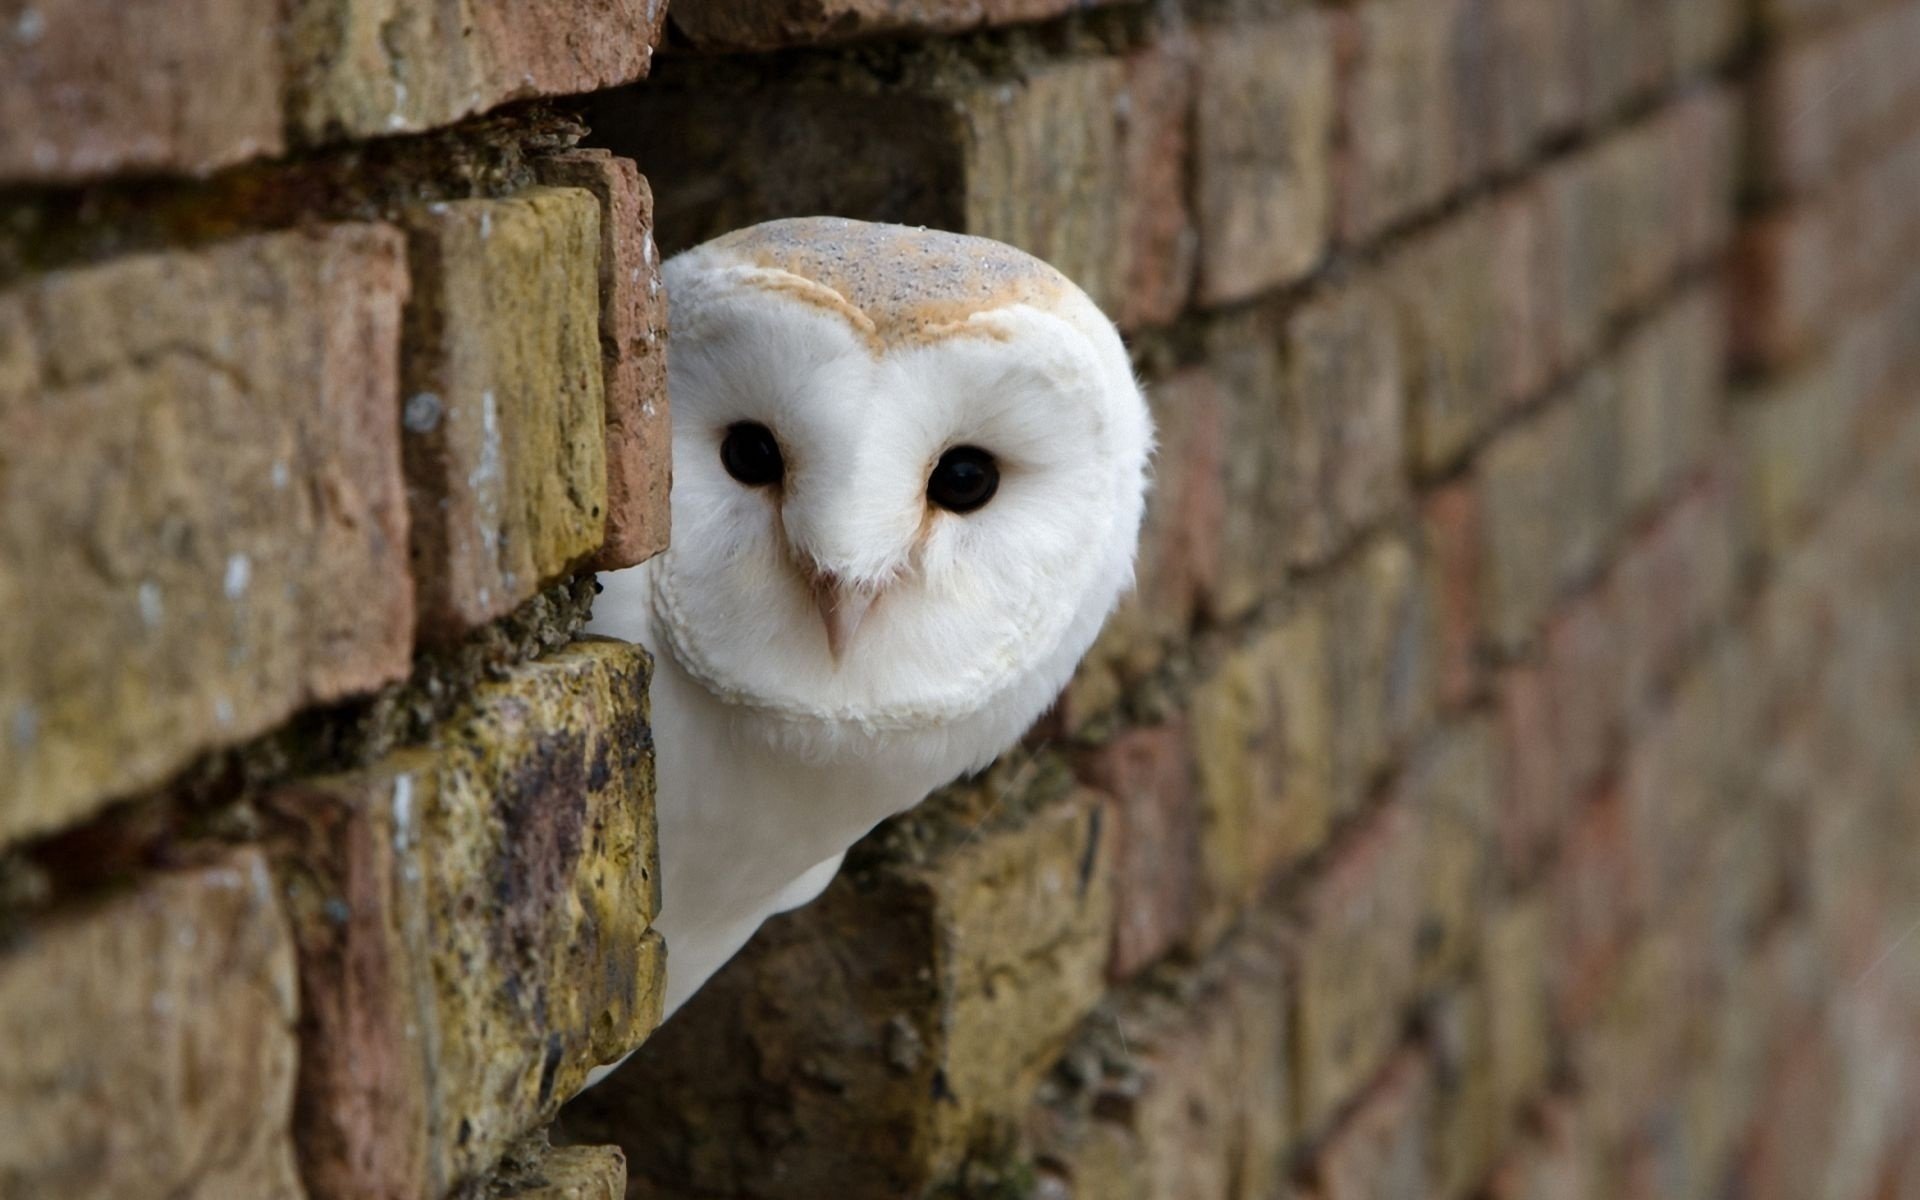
x=964 y=479
x=751 y=454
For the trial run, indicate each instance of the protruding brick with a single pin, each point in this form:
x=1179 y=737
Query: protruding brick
x=200 y=459
x=95 y=87
x=504 y=414
x=981 y=948
x=150 y=1045
x=633 y=346
x=363 y=68
x=1156 y=836
x=472 y=926
x=1344 y=420
x=1263 y=133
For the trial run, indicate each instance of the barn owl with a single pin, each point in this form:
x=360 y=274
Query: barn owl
x=908 y=475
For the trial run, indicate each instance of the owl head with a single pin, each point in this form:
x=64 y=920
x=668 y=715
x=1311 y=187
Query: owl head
x=909 y=469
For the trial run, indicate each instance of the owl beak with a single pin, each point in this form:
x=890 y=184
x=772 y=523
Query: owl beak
x=842 y=608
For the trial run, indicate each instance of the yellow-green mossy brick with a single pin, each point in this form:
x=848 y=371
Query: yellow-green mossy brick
x=472 y=921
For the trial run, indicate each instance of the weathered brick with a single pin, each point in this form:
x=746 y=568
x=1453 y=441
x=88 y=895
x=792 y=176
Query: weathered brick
x=1554 y=1163
x=1586 y=686
x=1514 y=978
x=471 y=920
x=1244 y=361
x=1190 y=1094
x=1343 y=420
x=1450 y=526
x=1453 y=789
x=98 y=87
x=1549 y=498
x=1536 y=799
x=362 y=68
x=236 y=408
x=978 y=957
x=1596 y=889
x=505 y=418
x=1785 y=279
x=1156 y=130
x=1533 y=94
x=1464 y=295
x=1405 y=146
x=1263 y=132
x=753 y=25
x=1357 y=965
x=1673 y=583
x=1465 y=1124
x=1617 y=52
x=1381 y=634
x=150 y=1043
x=1263 y=745
x=633 y=347
x=1381 y=1148
x=1148 y=773
x=1672 y=386
x=565 y=1173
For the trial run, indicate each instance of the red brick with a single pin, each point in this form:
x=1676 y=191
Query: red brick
x=1148 y=775
x=1343 y=417
x=1404 y=147
x=505 y=417
x=1156 y=122
x=95 y=87
x=150 y=1045
x=1673 y=583
x=1381 y=1148
x=235 y=410
x=1585 y=686
x=1595 y=890
x=364 y=67
x=1536 y=801
x=754 y=25
x=633 y=345
x=1451 y=524
x=1357 y=965
x=1263 y=131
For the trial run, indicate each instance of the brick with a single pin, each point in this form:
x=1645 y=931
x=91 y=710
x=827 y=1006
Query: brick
x=1617 y=52
x=1357 y=966
x=1464 y=368
x=1406 y=144
x=1785 y=277
x=1245 y=362
x=1450 y=525
x=744 y=25
x=1514 y=978
x=1156 y=134
x=1381 y=1148
x=1262 y=744
x=244 y=396
x=505 y=419
x=97 y=87
x=1549 y=501
x=979 y=956
x=1536 y=800
x=1381 y=634
x=1343 y=420
x=1156 y=840
x=1586 y=686
x=471 y=921
x=1672 y=387
x=1465 y=1127
x=1453 y=789
x=633 y=347
x=1190 y=1095
x=1534 y=96
x=1263 y=129
x=150 y=1042
x=1556 y=1163
x=1596 y=891
x=363 y=68
x=566 y=1173
x=1673 y=584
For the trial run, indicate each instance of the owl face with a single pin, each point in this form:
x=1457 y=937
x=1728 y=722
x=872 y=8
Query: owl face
x=908 y=478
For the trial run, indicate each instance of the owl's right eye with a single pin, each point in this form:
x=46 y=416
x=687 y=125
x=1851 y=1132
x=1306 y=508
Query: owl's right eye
x=751 y=454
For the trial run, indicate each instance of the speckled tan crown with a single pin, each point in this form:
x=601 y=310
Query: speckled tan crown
x=897 y=283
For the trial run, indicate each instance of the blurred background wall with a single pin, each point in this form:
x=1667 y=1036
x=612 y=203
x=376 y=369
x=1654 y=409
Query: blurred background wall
x=1504 y=785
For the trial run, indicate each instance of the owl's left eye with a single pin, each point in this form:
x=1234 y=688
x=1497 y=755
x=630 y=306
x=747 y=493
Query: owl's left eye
x=964 y=479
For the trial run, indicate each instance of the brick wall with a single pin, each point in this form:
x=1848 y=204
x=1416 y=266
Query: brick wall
x=1503 y=784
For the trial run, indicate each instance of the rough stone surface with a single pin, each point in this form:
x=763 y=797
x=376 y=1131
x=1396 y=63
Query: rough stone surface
x=95 y=87
x=150 y=1046
x=236 y=409
x=471 y=920
x=1263 y=134
x=363 y=68
x=504 y=416
x=633 y=345
x=564 y=1173
x=972 y=968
